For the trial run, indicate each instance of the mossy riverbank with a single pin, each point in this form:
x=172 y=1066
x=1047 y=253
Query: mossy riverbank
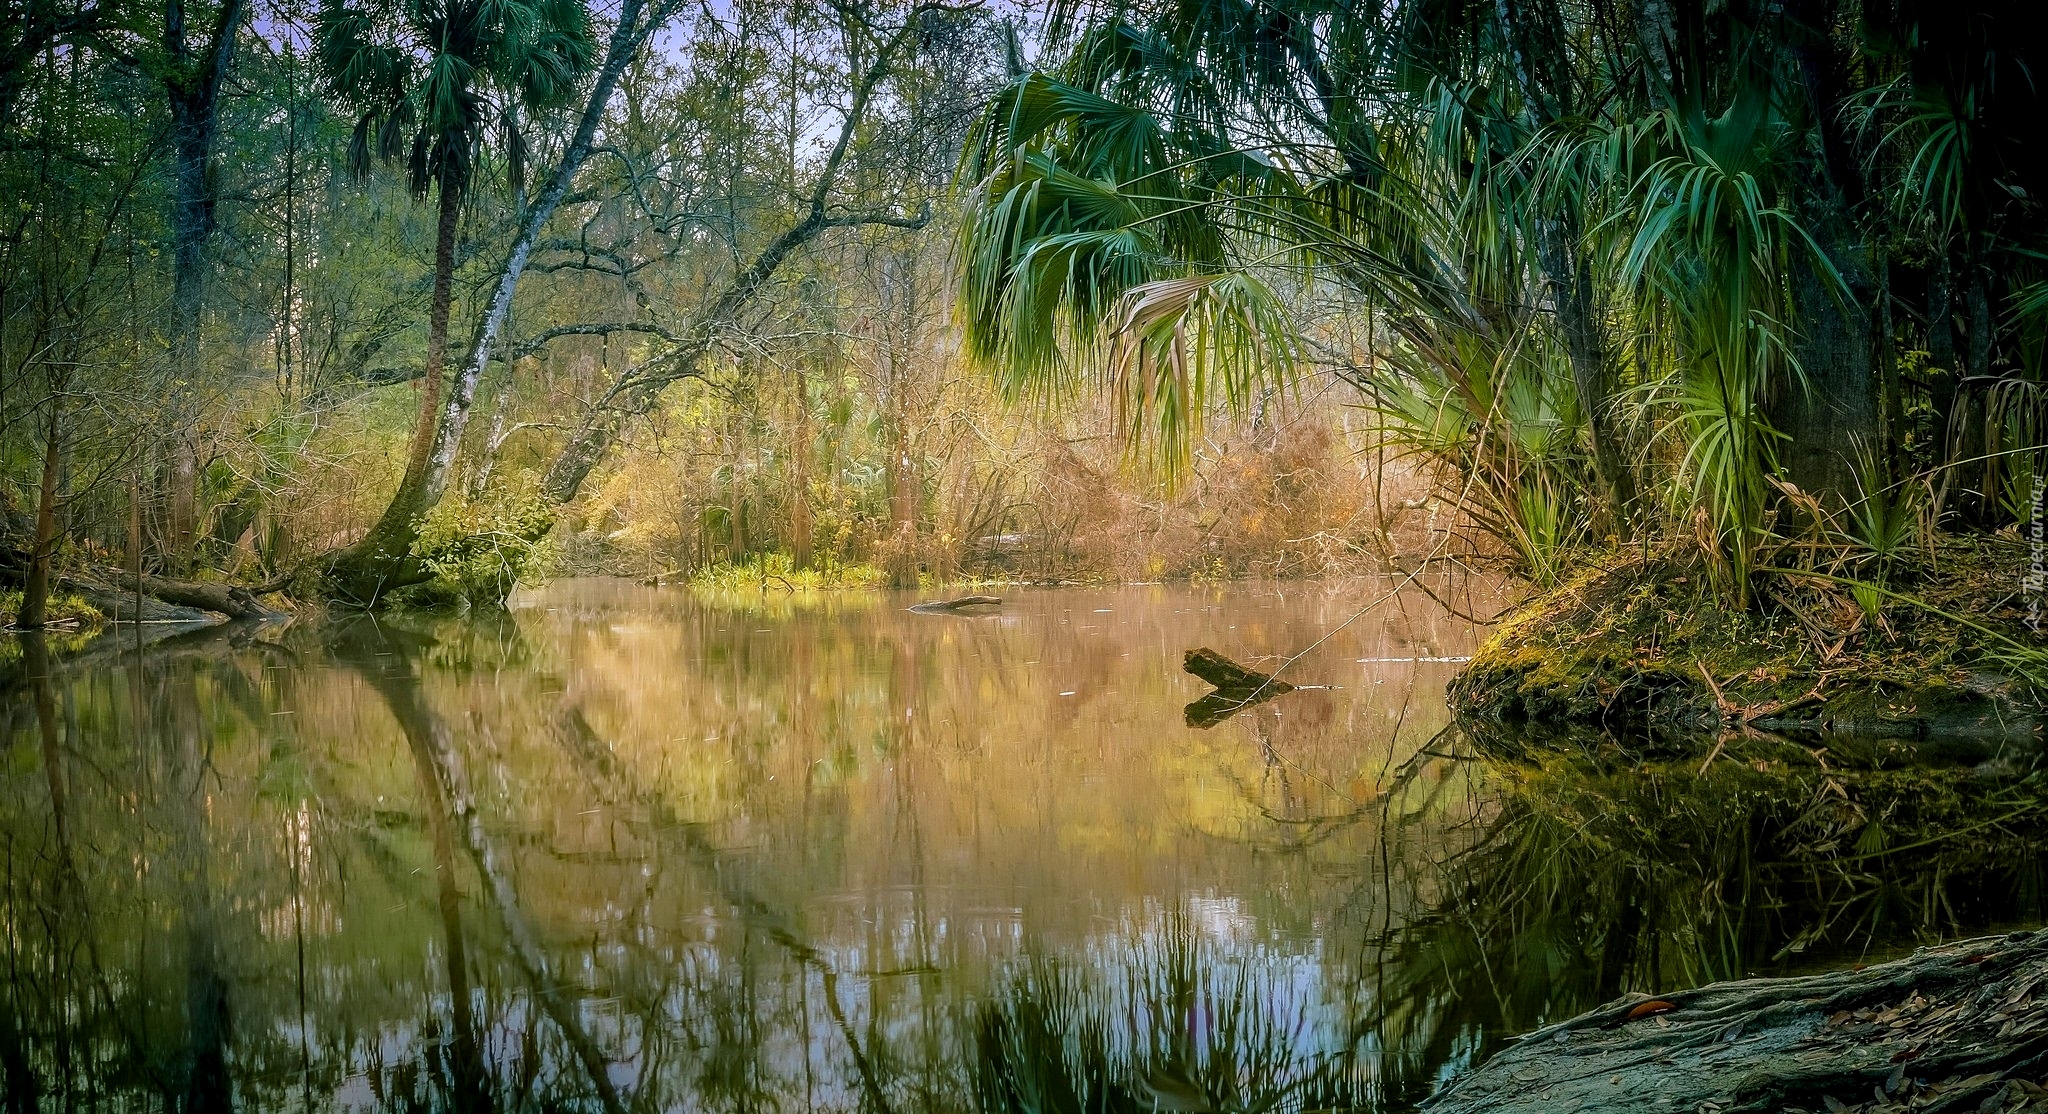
x=1932 y=657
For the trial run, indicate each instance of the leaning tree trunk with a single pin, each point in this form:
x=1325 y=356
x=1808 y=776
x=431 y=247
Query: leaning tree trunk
x=380 y=562
x=382 y=559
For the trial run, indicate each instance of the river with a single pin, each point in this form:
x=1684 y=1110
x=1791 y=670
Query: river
x=625 y=848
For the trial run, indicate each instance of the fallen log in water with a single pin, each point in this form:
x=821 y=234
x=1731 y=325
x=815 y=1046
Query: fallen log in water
x=1237 y=688
x=1950 y=1029
x=1230 y=677
x=930 y=607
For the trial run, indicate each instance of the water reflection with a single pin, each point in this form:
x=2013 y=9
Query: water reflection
x=621 y=850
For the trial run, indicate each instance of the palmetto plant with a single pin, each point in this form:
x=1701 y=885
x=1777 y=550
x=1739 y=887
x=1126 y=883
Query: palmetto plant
x=1707 y=244
x=1599 y=266
x=430 y=81
x=1135 y=241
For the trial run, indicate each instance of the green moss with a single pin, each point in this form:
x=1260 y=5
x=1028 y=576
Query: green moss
x=1634 y=640
x=65 y=610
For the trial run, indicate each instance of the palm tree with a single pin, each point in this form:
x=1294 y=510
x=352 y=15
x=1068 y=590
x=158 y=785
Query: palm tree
x=430 y=80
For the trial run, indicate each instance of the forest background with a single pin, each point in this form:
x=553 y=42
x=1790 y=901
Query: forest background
x=377 y=297
x=218 y=280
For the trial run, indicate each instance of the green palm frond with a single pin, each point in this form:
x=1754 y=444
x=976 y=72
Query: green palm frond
x=1183 y=344
x=433 y=79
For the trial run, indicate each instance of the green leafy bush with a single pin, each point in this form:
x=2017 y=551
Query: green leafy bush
x=478 y=551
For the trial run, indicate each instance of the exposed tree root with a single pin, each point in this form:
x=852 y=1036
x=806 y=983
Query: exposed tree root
x=1950 y=1029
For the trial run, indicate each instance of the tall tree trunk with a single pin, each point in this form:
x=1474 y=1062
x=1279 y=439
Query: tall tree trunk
x=800 y=477
x=35 y=590
x=377 y=562
x=903 y=499
x=193 y=90
x=1835 y=415
x=191 y=227
x=1536 y=33
x=1570 y=277
x=1959 y=398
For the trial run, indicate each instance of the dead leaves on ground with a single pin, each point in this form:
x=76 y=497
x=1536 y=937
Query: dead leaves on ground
x=1973 y=1023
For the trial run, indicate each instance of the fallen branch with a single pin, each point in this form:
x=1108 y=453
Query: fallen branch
x=1237 y=688
x=1756 y=712
x=1720 y=700
x=935 y=606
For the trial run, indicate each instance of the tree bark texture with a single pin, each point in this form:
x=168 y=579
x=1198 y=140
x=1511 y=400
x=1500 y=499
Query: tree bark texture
x=35 y=588
x=192 y=86
x=1949 y=1029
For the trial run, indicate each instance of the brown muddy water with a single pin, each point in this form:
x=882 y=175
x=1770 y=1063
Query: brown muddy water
x=632 y=849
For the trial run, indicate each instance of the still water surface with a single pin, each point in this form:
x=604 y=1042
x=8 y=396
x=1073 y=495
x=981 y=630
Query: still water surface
x=626 y=849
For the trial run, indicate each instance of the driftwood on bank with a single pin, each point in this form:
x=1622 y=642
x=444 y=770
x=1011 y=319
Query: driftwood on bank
x=1237 y=688
x=1962 y=1027
x=942 y=607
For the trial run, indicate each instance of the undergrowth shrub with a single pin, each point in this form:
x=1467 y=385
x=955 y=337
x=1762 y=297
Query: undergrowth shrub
x=477 y=551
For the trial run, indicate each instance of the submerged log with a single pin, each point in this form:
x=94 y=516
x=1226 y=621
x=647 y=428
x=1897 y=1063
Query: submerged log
x=1953 y=1028
x=930 y=607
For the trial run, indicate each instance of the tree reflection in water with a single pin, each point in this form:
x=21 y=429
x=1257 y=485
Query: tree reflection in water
x=673 y=857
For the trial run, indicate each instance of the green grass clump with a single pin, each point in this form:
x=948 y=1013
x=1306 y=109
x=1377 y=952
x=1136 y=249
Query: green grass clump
x=777 y=572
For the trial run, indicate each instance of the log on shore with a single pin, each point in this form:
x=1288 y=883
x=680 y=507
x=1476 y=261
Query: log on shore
x=231 y=600
x=119 y=606
x=1962 y=1027
x=940 y=607
x=164 y=600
